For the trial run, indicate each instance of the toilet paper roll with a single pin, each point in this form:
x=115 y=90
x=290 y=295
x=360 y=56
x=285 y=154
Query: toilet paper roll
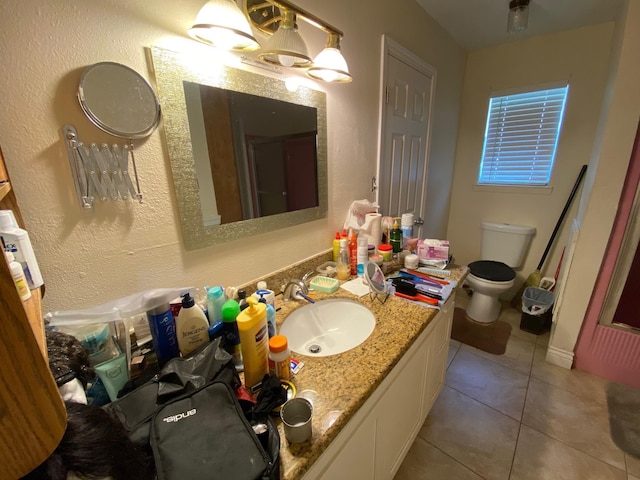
x=373 y=227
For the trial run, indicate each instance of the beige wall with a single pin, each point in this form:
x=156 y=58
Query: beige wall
x=607 y=171
x=577 y=56
x=124 y=248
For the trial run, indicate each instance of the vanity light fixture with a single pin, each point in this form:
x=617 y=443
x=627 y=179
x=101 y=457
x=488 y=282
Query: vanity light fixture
x=518 y=16
x=286 y=47
x=330 y=65
x=221 y=23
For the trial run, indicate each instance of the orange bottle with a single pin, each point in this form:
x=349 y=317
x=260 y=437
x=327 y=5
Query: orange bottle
x=353 y=254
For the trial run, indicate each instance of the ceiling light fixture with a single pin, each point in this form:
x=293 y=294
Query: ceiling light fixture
x=286 y=47
x=518 y=16
x=221 y=24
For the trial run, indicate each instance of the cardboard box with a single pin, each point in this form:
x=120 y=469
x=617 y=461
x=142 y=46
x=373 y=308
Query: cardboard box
x=431 y=250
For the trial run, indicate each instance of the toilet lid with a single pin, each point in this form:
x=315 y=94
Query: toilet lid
x=492 y=271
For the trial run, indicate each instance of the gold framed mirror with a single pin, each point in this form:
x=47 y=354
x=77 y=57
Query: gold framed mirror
x=183 y=81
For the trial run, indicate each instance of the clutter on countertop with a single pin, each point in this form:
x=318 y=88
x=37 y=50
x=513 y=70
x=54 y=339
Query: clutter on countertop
x=434 y=253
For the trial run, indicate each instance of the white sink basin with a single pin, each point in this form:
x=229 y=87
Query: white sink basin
x=328 y=327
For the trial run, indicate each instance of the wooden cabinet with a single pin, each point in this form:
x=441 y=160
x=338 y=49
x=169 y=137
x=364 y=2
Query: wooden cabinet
x=374 y=443
x=33 y=416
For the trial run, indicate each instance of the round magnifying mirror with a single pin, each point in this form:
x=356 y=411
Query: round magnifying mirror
x=119 y=100
x=375 y=278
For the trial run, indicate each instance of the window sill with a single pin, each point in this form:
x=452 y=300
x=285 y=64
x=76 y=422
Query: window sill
x=514 y=189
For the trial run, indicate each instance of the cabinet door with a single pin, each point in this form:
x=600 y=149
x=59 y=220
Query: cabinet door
x=356 y=459
x=398 y=414
x=437 y=347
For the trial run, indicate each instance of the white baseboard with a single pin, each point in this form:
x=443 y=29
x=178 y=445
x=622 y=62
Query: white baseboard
x=559 y=357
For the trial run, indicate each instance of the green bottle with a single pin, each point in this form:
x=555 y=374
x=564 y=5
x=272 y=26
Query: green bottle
x=395 y=237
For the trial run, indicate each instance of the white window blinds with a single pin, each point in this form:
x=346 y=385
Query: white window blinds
x=521 y=137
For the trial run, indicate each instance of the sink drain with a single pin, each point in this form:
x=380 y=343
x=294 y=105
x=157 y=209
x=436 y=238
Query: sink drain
x=314 y=348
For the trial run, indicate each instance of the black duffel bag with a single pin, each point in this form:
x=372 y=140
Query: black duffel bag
x=189 y=418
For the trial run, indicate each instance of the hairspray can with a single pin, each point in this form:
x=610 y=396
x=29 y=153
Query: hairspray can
x=163 y=333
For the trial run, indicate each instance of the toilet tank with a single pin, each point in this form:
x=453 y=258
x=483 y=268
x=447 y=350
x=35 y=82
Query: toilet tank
x=506 y=243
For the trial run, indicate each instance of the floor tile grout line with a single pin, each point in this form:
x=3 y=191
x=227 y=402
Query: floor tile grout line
x=482 y=403
x=573 y=447
x=497 y=363
x=560 y=387
x=515 y=450
x=455 y=459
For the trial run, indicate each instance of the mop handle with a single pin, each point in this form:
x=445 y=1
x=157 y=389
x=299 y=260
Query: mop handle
x=564 y=212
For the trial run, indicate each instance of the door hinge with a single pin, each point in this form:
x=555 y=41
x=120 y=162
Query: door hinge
x=386 y=95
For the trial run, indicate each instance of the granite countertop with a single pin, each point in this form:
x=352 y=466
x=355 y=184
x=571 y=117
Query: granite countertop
x=338 y=385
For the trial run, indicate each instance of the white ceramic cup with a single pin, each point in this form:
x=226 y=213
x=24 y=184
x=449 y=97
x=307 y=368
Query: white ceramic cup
x=296 y=417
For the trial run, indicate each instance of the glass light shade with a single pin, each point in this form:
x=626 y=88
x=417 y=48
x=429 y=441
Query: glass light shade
x=518 y=17
x=286 y=47
x=330 y=66
x=221 y=23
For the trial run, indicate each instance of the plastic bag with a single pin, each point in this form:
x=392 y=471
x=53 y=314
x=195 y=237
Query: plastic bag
x=119 y=309
x=117 y=315
x=537 y=301
x=357 y=213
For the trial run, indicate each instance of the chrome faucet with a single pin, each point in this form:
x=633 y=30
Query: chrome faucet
x=296 y=290
x=306 y=278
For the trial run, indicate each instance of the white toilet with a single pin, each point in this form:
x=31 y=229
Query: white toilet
x=503 y=247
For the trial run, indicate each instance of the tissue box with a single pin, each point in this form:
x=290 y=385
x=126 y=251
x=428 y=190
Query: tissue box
x=433 y=250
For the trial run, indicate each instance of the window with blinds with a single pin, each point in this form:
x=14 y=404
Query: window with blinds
x=521 y=137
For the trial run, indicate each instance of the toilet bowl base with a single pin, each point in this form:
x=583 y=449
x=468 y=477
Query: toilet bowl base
x=483 y=308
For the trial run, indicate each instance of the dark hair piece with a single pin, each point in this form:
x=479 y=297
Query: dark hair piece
x=95 y=445
x=67 y=356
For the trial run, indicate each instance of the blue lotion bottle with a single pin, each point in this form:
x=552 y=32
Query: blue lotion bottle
x=163 y=333
x=271 y=316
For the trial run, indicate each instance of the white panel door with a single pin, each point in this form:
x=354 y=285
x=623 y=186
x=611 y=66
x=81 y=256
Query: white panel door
x=405 y=140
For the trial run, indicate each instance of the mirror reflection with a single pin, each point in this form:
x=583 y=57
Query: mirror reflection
x=255 y=156
x=260 y=167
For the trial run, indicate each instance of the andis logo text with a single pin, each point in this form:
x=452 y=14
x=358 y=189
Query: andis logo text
x=179 y=416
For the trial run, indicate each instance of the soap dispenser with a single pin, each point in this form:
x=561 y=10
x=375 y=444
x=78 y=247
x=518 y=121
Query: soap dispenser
x=191 y=326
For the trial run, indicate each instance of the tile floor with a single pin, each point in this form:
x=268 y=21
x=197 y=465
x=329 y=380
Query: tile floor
x=516 y=417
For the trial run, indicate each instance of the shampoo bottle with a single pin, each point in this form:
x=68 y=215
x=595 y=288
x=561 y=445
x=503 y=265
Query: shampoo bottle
x=191 y=326
x=163 y=333
x=18 y=277
x=254 y=341
x=16 y=240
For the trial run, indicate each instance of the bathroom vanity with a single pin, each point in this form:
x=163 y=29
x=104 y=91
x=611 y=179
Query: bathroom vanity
x=370 y=402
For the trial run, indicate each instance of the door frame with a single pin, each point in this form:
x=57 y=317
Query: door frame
x=392 y=48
